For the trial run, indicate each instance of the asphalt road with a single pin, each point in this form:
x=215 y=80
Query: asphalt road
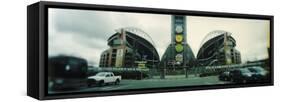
x=151 y=83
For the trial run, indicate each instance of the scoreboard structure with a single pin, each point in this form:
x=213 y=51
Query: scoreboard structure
x=179 y=37
x=178 y=54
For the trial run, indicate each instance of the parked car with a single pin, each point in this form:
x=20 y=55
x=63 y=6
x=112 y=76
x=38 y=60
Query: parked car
x=242 y=75
x=103 y=78
x=67 y=72
x=260 y=74
x=224 y=76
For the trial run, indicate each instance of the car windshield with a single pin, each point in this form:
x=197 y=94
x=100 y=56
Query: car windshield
x=244 y=70
x=255 y=69
x=101 y=74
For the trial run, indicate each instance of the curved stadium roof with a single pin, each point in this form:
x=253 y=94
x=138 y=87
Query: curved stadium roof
x=138 y=32
x=212 y=35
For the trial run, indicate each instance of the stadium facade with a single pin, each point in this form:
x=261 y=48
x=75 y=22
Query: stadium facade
x=218 y=48
x=130 y=48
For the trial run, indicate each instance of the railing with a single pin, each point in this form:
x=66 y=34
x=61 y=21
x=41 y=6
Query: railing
x=122 y=69
x=212 y=69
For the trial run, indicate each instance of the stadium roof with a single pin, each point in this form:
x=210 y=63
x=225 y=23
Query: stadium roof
x=138 y=32
x=213 y=34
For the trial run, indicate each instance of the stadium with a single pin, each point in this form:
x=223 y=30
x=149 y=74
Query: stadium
x=130 y=48
x=218 y=48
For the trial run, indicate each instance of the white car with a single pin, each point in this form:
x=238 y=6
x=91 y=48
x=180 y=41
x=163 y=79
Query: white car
x=102 y=78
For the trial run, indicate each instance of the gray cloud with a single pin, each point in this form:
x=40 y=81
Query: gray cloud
x=84 y=33
x=89 y=23
x=251 y=35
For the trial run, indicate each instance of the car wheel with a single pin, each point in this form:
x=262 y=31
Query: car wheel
x=225 y=79
x=101 y=83
x=244 y=81
x=117 y=82
x=231 y=80
x=89 y=84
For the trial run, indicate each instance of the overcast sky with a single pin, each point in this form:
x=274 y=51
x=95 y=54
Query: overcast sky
x=84 y=33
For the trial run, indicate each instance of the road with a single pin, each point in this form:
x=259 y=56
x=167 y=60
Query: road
x=152 y=83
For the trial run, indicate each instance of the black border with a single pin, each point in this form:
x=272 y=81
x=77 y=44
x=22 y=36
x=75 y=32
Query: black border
x=43 y=50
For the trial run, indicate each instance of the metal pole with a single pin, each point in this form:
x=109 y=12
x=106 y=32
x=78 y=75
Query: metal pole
x=163 y=71
x=186 y=72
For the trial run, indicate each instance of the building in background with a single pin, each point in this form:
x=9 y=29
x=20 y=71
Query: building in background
x=218 y=48
x=130 y=48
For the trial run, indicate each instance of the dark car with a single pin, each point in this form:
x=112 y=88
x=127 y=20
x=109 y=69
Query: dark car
x=242 y=75
x=260 y=74
x=67 y=72
x=224 y=76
